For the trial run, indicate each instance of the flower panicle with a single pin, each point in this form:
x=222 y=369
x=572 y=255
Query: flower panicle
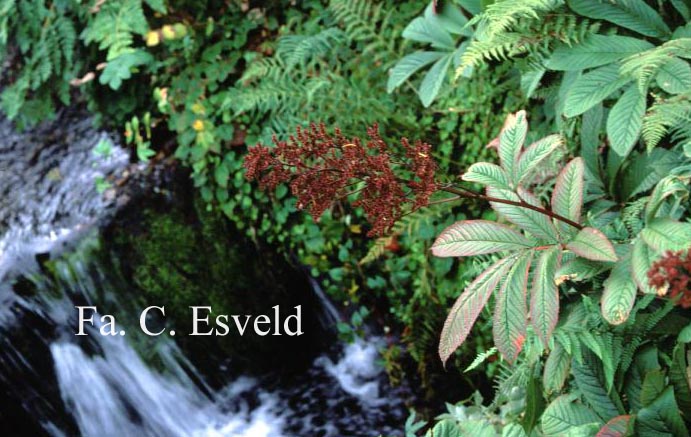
x=322 y=168
x=671 y=275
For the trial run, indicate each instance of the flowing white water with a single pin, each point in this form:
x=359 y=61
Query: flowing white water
x=116 y=394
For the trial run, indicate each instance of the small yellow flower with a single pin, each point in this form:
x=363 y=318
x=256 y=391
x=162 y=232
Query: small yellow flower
x=198 y=125
x=153 y=38
x=168 y=32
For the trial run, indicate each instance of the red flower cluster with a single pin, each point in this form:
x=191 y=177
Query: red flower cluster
x=672 y=275
x=322 y=168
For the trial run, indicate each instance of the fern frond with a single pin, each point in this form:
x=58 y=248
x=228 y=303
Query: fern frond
x=115 y=25
x=500 y=47
x=665 y=115
x=644 y=66
x=501 y=16
x=301 y=49
x=376 y=250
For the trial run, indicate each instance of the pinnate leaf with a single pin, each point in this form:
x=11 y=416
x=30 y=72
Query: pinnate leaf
x=619 y=294
x=593 y=245
x=536 y=223
x=565 y=413
x=433 y=80
x=487 y=174
x=535 y=154
x=666 y=234
x=468 y=306
x=556 y=369
x=617 y=427
x=567 y=197
x=625 y=121
x=641 y=261
x=408 y=65
x=511 y=141
x=544 y=302
x=595 y=51
x=477 y=237
x=634 y=15
x=674 y=76
x=592 y=88
x=511 y=310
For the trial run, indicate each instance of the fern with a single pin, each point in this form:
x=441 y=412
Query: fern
x=115 y=25
x=364 y=21
x=501 y=16
x=665 y=115
x=301 y=49
x=645 y=65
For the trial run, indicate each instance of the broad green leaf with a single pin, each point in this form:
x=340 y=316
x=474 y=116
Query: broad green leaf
x=592 y=88
x=641 y=261
x=674 y=76
x=513 y=430
x=534 y=404
x=634 y=15
x=423 y=30
x=536 y=223
x=591 y=127
x=685 y=335
x=666 y=234
x=511 y=141
x=619 y=294
x=595 y=51
x=535 y=154
x=445 y=428
x=590 y=382
x=408 y=65
x=578 y=270
x=625 y=121
x=557 y=369
x=620 y=426
x=468 y=306
x=544 y=300
x=684 y=8
x=511 y=311
x=530 y=80
x=433 y=80
x=448 y=17
x=565 y=413
x=680 y=376
x=477 y=237
x=661 y=417
x=567 y=197
x=593 y=245
x=487 y=174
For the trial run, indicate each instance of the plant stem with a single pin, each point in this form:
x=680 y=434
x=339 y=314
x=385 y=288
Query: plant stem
x=463 y=192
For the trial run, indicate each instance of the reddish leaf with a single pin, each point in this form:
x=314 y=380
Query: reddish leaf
x=467 y=307
x=617 y=427
x=592 y=244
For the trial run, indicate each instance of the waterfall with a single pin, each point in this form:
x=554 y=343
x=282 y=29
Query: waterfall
x=55 y=383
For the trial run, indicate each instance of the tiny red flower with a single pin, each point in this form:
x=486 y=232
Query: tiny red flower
x=671 y=276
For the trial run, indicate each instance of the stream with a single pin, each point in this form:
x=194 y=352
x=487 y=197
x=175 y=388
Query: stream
x=57 y=384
